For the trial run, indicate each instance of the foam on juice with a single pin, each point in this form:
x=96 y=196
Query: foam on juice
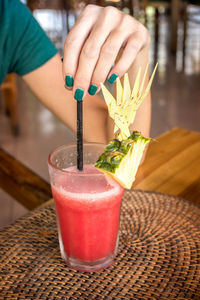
x=96 y=188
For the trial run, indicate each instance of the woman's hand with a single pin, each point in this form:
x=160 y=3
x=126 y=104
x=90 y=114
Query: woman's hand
x=93 y=45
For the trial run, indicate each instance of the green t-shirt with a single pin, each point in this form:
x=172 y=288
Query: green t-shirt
x=24 y=46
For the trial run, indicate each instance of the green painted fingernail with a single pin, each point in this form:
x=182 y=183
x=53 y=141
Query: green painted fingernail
x=79 y=94
x=92 y=89
x=112 y=78
x=69 y=81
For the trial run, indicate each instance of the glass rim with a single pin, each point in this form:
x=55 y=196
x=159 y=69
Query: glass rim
x=68 y=146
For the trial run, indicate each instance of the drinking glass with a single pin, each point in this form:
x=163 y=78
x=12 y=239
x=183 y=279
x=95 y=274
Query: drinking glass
x=87 y=208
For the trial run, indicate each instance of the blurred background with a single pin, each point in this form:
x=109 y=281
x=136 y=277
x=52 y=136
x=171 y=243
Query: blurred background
x=28 y=131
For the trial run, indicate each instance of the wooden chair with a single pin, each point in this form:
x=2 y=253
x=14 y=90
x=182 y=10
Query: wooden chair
x=9 y=91
x=21 y=183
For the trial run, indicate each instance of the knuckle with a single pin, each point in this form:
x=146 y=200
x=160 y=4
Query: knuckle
x=132 y=26
x=110 y=10
x=144 y=35
x=90 y=8
x=128 y=19
x=129 y=22
x=71 y=41
x=109 y=50
x=141 y=28
x=139 y=39
x=135 y=46
x=122 y=25
x=90 y=51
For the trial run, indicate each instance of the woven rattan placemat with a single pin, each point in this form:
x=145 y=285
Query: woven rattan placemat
x=158 y=256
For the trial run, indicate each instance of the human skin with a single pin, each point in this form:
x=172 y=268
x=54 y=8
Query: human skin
x=101 y=38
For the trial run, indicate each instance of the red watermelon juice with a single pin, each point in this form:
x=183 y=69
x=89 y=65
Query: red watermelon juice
x=88 y=211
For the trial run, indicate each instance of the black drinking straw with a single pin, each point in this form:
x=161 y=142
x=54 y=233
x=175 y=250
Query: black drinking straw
x=80 y=135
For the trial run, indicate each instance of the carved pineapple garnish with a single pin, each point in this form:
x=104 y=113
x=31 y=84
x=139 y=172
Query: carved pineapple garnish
x=123 y=154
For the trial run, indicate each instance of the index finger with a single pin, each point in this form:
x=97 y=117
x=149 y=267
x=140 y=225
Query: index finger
x=74 y=43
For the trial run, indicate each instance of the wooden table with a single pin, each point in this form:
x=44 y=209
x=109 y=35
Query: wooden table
x=172 y=165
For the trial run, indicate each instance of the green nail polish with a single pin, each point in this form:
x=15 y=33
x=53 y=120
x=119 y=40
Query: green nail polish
x=92 y=89
x=112 y=78
x=69 y=81
x=79 y=94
